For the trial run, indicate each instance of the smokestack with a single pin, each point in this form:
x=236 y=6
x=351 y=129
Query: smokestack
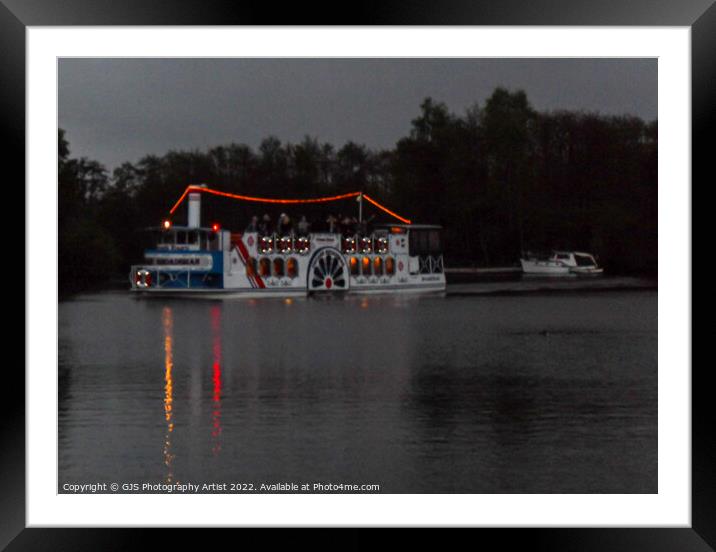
x=194 y=218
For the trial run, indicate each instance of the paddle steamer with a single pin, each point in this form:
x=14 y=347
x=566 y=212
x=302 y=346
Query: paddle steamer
x=195 y=260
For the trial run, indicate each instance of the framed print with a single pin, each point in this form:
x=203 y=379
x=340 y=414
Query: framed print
x=425 y=268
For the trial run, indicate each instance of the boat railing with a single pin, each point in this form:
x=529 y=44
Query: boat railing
x=431 y=264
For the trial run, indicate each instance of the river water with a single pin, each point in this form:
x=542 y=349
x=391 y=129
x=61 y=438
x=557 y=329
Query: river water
x=531 y=393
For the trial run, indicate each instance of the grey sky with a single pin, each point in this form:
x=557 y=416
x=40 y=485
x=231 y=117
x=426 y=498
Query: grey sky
x=117 y=110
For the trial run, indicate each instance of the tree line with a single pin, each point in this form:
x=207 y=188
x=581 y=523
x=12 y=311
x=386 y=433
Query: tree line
x=501 y=178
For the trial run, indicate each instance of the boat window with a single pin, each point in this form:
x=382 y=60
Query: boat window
x=349 y=244
x=181 y=237
x=365 y=266
x=366 y=245
x=265 y=267
x=284 y=244
x=192 y=238
x=416 y=242
x=585 y=260
x=425 y=242
x=302 y=245
x=389 y=266
x=278 y=266
x=355 y=266
x=266 y=244
x=251 y=266
x=292 y=267
x=378 y=266
x=434 y=245
x=213 y=241
x=381 y=245
x=562 y=256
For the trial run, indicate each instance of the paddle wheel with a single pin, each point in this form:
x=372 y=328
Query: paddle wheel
x=328 y=272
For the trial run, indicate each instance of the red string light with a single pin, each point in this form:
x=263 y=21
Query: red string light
x=194 y=188
x=385 y=209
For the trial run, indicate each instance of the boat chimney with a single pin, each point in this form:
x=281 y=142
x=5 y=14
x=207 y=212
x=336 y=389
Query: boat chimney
x=194 y=218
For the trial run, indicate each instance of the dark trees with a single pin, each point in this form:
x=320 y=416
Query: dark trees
x=501 y=178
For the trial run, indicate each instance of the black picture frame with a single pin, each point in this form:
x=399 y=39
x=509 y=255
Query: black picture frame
x=17 y=15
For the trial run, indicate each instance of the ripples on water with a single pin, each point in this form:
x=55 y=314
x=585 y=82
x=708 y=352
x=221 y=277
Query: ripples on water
x=532 y=393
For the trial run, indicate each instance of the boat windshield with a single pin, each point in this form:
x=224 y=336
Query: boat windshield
x=585 y=260
x=562 y=256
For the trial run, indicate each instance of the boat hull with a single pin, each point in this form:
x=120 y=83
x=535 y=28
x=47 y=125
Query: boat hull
x=249 y=265
x=543 y=268
x=587 y=270
x=283 y=293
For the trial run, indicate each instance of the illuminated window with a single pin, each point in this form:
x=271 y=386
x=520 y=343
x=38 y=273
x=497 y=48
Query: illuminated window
x=349 y=245
x=266 y=244
x=292 y=267
x=381 y=245
x=302 y=245
x=366 y=245
x=278 y=267
x=251 y=267
x=284 y=244
x=389 y=266
x=355 y=267
x=365 y=266
x=378 y=266
x=265 y=266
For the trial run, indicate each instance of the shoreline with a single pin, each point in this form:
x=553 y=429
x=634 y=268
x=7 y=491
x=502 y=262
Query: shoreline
x=552 y=285
x=513 y=285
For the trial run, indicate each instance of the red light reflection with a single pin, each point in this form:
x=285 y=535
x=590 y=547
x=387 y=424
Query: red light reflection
x=216 y=379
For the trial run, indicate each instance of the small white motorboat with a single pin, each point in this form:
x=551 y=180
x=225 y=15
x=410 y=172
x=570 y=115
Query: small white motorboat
x=561 y=263
x=544 y=266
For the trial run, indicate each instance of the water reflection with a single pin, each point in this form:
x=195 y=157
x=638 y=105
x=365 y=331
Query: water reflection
x=216 y=379
x=168 y=324
x=493 y=394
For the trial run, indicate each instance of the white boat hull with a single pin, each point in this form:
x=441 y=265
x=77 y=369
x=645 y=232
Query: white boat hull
x=587 y=270
x=543 y=268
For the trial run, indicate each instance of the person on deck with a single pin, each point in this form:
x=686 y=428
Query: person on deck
x=253 y=225
x=331 y=221
x=284 y=225
x=303 y=226
x=265 y=226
